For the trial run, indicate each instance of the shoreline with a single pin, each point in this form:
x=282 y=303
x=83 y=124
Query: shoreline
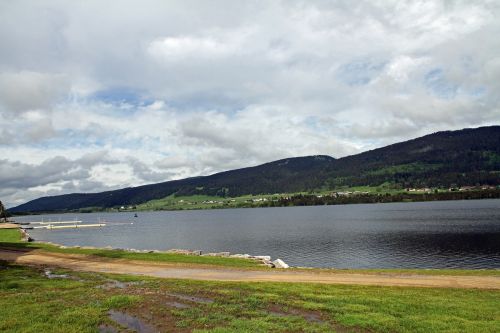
x=263 y=259
x=428 y=197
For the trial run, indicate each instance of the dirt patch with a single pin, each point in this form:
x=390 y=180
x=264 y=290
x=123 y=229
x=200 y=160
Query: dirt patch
x=313 y=317
x=177 y=305
x=160 y=309
x=9 y=226
x=105 y=328
x=113 y=284
x=194 y=299
x=310 y=316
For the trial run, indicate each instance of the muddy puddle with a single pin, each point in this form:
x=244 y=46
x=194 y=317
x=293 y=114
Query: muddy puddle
x=130 y=322
x=309 y=316
x=195 y=299
x=104 y=328
x=113 y=284
x=48 y=273
x=177 y=305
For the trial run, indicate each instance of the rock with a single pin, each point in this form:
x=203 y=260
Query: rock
x=218 y=254
x=186 y=252
x=268 y=263
x=278 y=263
x=244 y=256
x=268 y=258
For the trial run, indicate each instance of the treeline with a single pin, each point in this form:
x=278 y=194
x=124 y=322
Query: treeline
x=313 y=200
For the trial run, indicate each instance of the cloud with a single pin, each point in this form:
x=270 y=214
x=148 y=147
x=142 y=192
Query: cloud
x=26 y=90
x=95 y=97
x=178 y=48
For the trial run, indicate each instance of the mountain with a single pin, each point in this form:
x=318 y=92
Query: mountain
x=442 y=159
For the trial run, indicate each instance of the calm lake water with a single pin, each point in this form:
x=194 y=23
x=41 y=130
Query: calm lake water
x=446 y=234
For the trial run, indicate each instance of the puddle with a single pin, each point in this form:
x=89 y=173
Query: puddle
x=130 y=322
x=113 y=284
x=278 y=314
x=313 y=318
x=104 y=328
x=193 y=298
x=49 y=274
x=178 y=305
x=309 y=316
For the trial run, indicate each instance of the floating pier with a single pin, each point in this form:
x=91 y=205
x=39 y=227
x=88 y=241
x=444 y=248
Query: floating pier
x=69 y=224
x=51 y=226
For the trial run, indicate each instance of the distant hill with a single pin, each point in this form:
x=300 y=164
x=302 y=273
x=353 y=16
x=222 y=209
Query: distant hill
x=442 y=159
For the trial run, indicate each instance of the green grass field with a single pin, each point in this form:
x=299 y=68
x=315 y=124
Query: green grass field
x=79 y=302
x=32 y=301
x=173 y=202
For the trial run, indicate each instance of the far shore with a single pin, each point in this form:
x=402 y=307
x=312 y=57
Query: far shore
x=280 y=200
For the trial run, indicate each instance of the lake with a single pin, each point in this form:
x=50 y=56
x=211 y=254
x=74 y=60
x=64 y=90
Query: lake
x=445 y=234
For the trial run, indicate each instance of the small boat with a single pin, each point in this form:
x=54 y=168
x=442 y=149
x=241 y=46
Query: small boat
x=135 y=215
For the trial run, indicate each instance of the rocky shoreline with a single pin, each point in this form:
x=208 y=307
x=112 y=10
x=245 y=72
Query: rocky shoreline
x=266 y=260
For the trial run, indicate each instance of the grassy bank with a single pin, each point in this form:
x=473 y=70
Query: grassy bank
x=30 y=301
x=12 y=238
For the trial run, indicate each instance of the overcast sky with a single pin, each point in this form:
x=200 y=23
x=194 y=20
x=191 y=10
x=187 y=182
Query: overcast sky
x=98 y=95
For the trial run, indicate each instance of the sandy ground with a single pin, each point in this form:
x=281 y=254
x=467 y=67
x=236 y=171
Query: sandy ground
x=8 y=226
x=197 y=272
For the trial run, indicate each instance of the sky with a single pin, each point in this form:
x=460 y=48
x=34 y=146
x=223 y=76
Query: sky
x=100 y=95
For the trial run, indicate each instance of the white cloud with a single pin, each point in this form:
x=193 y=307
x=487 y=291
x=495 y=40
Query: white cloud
x=27 y=90
x=180 y=48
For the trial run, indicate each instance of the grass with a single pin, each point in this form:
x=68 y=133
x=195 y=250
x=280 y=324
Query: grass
x=10 y=235
x=174 y=202
x=31 y=302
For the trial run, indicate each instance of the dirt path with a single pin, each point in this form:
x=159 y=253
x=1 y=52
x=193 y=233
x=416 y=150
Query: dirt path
x=9 y=226
x=194 y=272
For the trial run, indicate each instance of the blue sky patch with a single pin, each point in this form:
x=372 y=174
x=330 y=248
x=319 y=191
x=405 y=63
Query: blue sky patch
x=435 y=80
x=119 y=95
x=358 y=73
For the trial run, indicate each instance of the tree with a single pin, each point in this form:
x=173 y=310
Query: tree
x=3 y=213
